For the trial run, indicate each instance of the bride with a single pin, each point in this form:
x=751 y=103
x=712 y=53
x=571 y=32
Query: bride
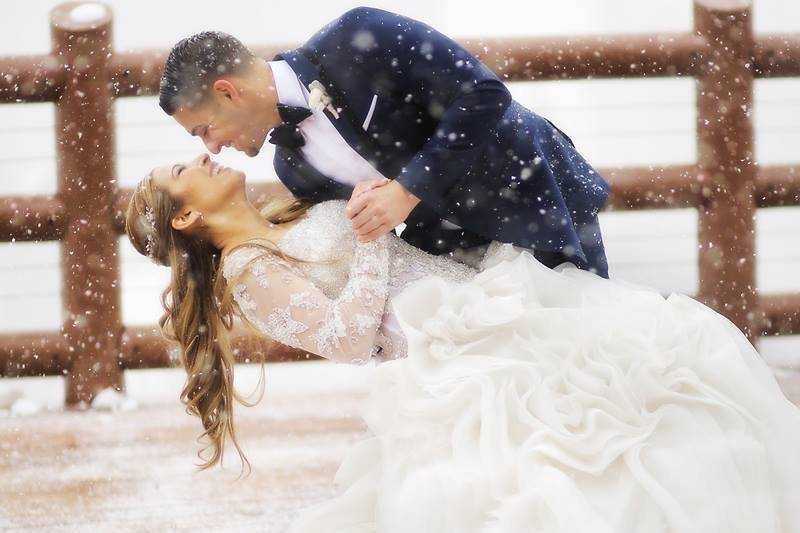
x=510 y=398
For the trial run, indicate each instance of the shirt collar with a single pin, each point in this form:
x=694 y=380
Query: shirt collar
x=290 y=92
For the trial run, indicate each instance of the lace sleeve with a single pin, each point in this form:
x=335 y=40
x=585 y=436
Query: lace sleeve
x=284 y=305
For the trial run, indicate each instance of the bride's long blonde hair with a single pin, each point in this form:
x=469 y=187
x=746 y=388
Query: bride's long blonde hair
x=199 y=310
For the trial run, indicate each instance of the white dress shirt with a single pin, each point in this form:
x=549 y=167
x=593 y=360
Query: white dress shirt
x=324 y=148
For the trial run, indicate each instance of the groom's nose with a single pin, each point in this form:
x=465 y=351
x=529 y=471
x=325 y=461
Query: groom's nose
x=212 y=146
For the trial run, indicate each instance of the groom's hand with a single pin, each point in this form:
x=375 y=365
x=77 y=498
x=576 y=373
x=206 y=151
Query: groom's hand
x=378 y=206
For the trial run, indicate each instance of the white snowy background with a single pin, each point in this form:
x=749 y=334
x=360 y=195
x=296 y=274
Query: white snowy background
x=613 y=122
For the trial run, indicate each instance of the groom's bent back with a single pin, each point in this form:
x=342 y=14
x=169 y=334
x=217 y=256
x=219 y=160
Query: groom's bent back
x=374 y=94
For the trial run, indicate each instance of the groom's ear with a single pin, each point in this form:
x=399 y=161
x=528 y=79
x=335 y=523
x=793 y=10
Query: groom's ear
x=186 y=220
x=227 y=90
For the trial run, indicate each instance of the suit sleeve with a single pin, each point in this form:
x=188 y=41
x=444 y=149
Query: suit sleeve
x=457 y=91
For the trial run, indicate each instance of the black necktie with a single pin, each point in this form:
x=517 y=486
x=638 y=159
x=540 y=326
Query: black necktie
x=288 y=134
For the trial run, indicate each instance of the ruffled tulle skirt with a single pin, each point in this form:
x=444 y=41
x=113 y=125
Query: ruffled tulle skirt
x=539 y=400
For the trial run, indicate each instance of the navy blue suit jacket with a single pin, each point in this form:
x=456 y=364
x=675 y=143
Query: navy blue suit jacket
x=484 y=167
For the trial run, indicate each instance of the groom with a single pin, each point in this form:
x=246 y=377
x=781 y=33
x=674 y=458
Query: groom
x=408 y=125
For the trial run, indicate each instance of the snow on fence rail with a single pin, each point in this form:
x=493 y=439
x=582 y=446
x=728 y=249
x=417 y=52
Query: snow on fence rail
x=83 y=75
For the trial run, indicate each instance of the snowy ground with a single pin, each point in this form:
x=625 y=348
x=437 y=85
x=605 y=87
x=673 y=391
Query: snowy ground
x=132 y=470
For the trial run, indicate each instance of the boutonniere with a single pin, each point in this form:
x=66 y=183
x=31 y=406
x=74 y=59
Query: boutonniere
x=318 y=98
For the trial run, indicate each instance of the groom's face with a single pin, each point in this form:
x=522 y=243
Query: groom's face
x=220 y=122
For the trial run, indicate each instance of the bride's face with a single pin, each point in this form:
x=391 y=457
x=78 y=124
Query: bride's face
x=201 y=185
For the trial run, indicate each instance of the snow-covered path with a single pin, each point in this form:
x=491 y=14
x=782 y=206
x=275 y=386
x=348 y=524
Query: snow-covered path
x=132 y=471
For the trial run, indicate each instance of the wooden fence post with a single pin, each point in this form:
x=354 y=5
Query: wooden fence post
x=726 y=162
x=92 y=324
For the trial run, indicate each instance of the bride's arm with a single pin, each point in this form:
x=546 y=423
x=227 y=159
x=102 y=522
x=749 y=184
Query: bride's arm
x=284 y=305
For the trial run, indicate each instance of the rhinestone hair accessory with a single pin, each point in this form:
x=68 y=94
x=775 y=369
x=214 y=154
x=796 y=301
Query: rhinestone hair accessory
x=150 y=246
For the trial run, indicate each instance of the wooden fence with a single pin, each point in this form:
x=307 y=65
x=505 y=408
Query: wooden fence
x=83 y=75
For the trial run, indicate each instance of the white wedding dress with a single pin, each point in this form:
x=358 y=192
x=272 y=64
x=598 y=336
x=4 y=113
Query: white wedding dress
x=520 y=398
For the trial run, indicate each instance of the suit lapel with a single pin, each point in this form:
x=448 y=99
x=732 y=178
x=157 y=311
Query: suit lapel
x=348 y=125
x=305 y=181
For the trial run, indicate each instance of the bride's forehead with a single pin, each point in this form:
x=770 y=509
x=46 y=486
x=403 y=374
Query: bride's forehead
x=161 y=173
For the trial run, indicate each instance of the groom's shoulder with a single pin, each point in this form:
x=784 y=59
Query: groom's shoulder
x=365 y=13
x=360 y=27
x=359 y=17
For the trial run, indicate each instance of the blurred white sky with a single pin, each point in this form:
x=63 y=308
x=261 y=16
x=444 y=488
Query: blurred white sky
x=157 y=23
x=614 y=122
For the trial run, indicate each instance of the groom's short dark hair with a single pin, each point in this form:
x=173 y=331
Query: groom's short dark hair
x=195 y=63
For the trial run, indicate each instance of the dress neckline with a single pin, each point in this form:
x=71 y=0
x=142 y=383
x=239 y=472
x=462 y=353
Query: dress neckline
x=277 y=242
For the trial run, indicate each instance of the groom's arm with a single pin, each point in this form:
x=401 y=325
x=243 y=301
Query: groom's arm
x=465 y=98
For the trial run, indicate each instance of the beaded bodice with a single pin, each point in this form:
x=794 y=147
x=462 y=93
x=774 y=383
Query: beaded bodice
x=325 y=241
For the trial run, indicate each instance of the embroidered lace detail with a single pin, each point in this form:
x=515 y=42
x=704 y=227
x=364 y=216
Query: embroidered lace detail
x=343 y=271
x=304 y=300
x=328 y=333
x=410 y=264
x=259 y=268
x=242 y=297
x=282 y=327
x=295 y=312
x=236 y=260
x=362 y=323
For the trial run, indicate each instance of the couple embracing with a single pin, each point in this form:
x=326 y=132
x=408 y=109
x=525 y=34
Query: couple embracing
x=518 y=387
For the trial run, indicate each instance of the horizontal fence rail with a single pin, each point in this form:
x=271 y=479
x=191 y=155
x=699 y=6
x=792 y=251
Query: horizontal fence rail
x=38 y=78
x=83 y=75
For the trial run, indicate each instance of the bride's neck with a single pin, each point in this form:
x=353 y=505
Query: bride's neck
x=239 y=223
